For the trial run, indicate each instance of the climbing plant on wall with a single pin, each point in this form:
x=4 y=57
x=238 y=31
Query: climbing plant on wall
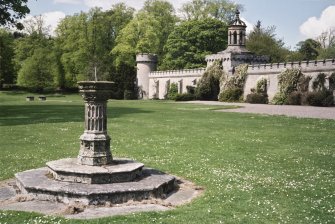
x=208 y=87
x=259 y=94
x=232 y=87
x=331 y=79
x=172 y=91
x=319 y=82
x=288 y=82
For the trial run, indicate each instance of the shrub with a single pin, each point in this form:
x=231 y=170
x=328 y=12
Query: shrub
x=319 y=82
x=303 y=84
x=231 y=95
x=332 y=82
x=262 y=86
x=208 y=87
x=129 y=95
x=237 y=80
x=279 y=99
x=185 y=97
x=172 y=91
x=295 y=98
x=257 y=98
x=190 y=89
x=288 y=82
x=320 y=98
x=232 y=87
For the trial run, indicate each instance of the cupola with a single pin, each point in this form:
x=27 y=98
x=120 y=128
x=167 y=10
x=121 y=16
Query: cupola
x=237 y=31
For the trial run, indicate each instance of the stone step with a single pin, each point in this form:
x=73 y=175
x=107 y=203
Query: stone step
x=121 y=170
x=37 y=184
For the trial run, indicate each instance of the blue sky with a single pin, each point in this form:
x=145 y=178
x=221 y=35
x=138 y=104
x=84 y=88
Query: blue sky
x=295 y=20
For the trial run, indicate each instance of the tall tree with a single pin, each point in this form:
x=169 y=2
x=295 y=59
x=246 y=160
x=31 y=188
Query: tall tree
x=309 y=49
x=7 y=71
x=147 y=32
x=327 y=42
x=327 y=38
x=327 y=53
x=164 y=13
x=38 y=71
x=11 y=11
x=263 y=41
x=86 y=39
x=223 y=10
x=191 y=41
x=140 y=35
x=35 y=57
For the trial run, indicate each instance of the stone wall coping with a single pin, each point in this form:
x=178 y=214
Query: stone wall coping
x=146 y=57
x=178 y=73
x=237 y=57
x=294 y=64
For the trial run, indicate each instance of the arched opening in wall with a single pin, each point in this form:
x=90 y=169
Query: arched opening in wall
x=235 y=37
x=157 y=90
x=241 y=38
x=180 y=89
x=230 y=37
x=167 y=87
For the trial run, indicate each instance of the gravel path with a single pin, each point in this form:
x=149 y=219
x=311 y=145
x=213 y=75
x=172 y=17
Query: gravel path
x=288 y=110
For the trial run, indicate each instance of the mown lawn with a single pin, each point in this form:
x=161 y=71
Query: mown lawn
x=254 y=169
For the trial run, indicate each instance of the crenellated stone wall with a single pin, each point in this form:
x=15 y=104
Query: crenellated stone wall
x=154 y=84
x=271 y=72
x=159 y=81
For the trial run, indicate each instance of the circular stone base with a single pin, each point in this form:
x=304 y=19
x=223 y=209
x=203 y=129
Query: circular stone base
x=37 y=184
x=121 y=170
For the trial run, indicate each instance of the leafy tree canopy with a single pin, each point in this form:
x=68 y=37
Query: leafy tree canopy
x=86 y=39
x=263 y=41
x=7 y=71
x=191 y=41
x=11 y=11
x=223 y=10
x=38 y=71
x=147 y=32
x=326 y=53
x=309 y=49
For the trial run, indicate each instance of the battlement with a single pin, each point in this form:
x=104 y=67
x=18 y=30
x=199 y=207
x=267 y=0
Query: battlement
x=178 y=73
x=305 y=66
x=244 y=58
x=145 y=57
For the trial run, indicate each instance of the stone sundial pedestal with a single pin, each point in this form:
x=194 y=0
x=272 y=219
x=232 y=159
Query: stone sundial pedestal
x=94 y=177
x=95 y=142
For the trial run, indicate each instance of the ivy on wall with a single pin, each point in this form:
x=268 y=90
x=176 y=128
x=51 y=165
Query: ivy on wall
x=208 y=87
x=288 y=82
x=232 y=87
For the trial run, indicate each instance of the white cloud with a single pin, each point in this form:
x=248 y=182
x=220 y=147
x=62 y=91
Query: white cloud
x=52 y=19
x=72 y=2
x=314 y=26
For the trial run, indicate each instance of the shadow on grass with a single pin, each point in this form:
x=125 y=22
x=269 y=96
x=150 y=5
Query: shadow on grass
x=34 y=114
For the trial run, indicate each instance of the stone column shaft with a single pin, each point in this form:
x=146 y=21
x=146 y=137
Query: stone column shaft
x=95 y=142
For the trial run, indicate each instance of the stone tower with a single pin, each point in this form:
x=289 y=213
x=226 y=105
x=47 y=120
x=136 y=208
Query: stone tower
x=237 y=34
x=146 y=63
x=236 y=52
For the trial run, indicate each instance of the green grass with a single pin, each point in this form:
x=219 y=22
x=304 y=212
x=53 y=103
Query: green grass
x=254 y=169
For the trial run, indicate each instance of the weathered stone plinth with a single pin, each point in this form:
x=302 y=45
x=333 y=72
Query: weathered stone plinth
x=120 y=170
x=38 y=185
x=95 y=142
